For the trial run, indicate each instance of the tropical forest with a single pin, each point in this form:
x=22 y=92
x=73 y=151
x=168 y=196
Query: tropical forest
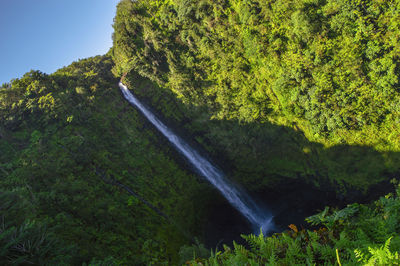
x=213 y=132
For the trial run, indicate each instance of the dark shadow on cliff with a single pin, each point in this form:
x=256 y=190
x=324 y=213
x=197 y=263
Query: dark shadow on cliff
x=278 y=165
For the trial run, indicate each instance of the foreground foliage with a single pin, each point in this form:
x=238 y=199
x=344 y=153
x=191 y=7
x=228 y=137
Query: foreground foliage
x=357 y=234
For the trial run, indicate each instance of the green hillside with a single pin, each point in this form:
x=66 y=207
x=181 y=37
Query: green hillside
x=66 y=139
x=281 y=90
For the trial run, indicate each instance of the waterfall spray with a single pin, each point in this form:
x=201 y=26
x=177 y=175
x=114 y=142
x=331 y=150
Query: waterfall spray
x=258 y=218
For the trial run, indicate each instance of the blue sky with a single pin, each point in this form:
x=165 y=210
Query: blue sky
x=48 y=34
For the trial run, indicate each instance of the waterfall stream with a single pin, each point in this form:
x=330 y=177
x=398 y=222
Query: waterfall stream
x=259 y=218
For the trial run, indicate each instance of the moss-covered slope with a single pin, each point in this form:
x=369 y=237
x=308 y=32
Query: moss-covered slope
x=67 y=140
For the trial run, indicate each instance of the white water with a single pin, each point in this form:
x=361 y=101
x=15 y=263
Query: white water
x=240 y=200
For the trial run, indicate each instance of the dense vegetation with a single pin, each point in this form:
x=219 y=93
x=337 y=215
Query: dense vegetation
x=281 y=89
x=330 y=66
x=66 y=140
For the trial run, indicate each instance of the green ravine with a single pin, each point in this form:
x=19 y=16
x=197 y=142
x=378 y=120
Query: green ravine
x=297 y=101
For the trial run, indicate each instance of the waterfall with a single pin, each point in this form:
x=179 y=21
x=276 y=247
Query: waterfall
x=259 y=219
